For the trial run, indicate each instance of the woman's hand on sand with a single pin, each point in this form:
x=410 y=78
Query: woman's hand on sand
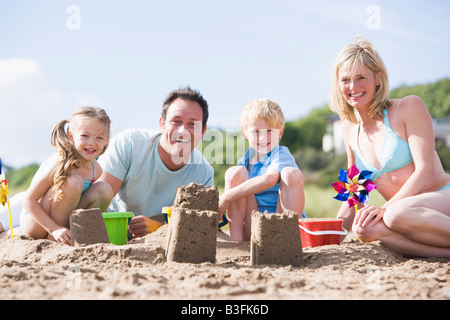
x=62 y=235
x=367 y=215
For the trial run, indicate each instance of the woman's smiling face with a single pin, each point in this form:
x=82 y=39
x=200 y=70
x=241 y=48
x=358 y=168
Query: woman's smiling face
x=358 y=85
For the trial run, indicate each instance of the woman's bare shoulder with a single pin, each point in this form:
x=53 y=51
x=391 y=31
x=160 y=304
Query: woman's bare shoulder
x=406 y=104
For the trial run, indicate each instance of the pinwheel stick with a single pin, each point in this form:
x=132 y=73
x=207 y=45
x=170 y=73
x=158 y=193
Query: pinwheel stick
x=10 y=220
x=4 y=195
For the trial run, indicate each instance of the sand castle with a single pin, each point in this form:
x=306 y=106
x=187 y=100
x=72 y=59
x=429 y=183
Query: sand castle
x=197 y=196
x=193 y=224
x=88 y=227
x=276 y=239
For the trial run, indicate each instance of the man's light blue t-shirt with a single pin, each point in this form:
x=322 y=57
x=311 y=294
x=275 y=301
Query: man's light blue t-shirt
x=277 y=159
x=148 y=185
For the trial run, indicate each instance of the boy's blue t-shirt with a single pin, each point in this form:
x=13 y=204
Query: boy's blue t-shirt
x=148 y=185
x=277 y=159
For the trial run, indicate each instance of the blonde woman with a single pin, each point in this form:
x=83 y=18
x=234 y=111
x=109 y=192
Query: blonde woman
x=67 y=180
x=394 y=139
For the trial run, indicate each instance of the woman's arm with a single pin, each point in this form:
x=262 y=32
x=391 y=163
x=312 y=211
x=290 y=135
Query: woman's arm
x=346 y=213
x=414 y=116
x=419 y=131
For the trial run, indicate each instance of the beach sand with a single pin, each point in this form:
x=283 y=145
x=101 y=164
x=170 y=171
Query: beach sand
x=42 y=269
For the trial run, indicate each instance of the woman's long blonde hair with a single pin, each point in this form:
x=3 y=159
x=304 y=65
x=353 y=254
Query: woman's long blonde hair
x=65 y=147
x=361 y=53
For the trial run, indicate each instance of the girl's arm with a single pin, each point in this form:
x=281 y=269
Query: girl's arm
x=39 y=187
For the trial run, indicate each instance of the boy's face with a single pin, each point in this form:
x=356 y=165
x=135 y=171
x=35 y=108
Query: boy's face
x=261 y=136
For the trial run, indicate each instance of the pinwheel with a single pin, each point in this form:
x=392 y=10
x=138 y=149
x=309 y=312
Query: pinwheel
x=4 y=195
x=354 y=186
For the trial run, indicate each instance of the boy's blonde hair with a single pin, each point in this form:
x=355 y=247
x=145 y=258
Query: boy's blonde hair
x=361 y=53
x=64 y=146
x=264 y=109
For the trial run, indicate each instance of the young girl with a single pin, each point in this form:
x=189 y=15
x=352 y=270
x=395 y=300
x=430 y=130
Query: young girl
x=66 y=181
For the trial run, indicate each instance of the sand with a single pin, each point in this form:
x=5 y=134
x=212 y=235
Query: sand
x=42 y=269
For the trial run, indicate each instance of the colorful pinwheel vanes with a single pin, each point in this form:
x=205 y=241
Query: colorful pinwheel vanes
x=354 y=186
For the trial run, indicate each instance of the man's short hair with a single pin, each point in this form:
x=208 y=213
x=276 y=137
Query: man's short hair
x=186 y=94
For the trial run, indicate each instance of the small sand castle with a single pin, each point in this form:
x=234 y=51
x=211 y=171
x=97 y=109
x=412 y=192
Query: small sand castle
x=192 y=234
x=88 y=227
x=276 y=239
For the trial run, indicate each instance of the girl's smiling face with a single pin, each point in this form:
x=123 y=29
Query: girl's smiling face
x=261 y=136
x=89 y=139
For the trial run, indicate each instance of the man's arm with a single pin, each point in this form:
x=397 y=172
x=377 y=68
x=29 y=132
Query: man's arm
x=114 y=182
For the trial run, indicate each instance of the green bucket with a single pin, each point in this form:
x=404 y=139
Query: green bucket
x=117 y=226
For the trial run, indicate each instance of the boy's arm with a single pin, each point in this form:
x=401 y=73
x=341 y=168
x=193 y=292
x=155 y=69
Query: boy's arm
x=249 y=187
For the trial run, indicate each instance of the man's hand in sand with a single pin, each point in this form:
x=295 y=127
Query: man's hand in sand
x=141 y=226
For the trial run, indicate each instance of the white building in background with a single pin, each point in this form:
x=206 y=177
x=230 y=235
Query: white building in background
x=333 y=141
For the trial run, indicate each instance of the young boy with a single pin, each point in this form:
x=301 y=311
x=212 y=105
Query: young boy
x=266 y=178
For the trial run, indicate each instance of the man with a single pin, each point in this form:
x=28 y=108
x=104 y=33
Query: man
x=144 y=167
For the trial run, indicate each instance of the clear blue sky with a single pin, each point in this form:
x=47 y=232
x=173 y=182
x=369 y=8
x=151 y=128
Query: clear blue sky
x=125 y=56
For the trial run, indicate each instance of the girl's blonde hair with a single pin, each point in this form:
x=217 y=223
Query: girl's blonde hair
x=264 y=109
x=362 y=53
x=64 y=146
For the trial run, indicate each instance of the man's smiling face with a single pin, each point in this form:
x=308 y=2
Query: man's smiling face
x=181 y=131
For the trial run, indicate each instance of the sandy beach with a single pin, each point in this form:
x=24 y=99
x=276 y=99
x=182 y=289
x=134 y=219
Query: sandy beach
x=42 y=269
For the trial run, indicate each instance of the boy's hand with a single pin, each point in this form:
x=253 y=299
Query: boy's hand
x=223 y=204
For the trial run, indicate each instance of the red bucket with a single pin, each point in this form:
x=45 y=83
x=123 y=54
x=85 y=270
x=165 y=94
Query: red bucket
x=316 y=232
